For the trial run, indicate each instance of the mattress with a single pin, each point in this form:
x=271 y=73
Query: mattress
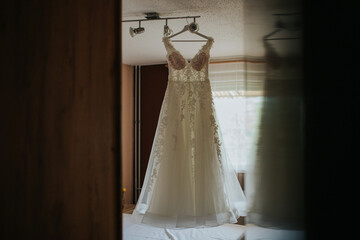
x=132 y=231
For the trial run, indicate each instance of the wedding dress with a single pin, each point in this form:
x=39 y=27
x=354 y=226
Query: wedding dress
x=189 y=181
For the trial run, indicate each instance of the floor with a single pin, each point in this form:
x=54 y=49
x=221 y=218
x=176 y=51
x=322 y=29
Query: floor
x=128 y=208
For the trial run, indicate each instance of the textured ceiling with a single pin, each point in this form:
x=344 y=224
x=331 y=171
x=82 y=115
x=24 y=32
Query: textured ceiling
x=222 y=20
x=237 y=27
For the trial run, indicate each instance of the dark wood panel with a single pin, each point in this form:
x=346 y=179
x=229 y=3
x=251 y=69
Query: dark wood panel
x=59 y=99
x=153 y=86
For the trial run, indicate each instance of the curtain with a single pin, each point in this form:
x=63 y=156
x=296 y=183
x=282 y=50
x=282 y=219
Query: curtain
x=238 y=96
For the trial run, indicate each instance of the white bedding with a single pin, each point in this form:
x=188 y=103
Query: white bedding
x=133 y=231
x=254 y=232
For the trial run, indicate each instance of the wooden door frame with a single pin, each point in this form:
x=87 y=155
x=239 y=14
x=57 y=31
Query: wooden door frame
x=118 y=150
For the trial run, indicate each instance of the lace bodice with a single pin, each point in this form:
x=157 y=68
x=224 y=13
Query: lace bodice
x=182 y=70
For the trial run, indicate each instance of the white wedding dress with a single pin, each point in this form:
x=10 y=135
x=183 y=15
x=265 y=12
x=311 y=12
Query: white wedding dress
x=189 y=181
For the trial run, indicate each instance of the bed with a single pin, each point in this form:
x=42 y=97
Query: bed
x=133 y=231
x=254 y=232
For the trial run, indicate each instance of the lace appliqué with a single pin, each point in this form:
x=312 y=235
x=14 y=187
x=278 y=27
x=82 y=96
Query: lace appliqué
x=184 y=71
x=192 y=87
x=199 y=62
x=216 y=129
x=216 y=137
x=176 y=61
x=159 y=143
x=191 y=95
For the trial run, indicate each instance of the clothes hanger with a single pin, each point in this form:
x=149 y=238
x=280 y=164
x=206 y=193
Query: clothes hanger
x=267 y=37
x=279 y=27
x=192 y=27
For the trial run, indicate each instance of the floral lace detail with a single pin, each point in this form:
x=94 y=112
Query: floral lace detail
x=182 y=70
x=190 y=82
x=190 y=95
x=176 y=61
x=159 y=142
x=199 y=62
x=216 y=137
x=187 y=154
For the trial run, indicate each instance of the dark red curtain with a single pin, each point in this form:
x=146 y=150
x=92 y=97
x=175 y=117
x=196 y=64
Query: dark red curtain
x=153 y=86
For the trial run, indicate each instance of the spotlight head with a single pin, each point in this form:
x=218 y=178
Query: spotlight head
x=167 y=31
x=134 y=31
x=131 y=31
x=193 y=27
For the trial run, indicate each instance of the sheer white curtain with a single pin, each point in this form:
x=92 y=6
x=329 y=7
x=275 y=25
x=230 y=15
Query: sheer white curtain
x=259 y=107
x=237 y=92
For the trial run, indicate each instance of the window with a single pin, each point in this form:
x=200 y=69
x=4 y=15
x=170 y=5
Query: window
x=238 y=97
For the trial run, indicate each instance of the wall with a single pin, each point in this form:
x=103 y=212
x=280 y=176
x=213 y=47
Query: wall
x=60 y=124
x=127 y=123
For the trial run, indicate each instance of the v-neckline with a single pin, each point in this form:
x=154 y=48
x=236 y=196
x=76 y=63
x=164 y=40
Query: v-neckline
x=198 y=52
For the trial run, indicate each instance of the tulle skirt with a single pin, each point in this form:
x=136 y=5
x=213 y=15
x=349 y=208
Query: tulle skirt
x=189 y=181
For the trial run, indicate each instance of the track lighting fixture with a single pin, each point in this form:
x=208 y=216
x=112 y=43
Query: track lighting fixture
x=135 y=31
x=193 y=27
x=167 y=30
x=152 y=16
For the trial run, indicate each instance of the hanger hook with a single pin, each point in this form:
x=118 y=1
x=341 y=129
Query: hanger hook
x=166 y=21
x=187 y=21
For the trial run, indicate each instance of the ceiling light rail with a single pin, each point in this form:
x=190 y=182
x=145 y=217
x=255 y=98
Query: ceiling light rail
x=152 y=16
x=164 y=19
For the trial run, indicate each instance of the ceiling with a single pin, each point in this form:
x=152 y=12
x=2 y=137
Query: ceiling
x=222 y=20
